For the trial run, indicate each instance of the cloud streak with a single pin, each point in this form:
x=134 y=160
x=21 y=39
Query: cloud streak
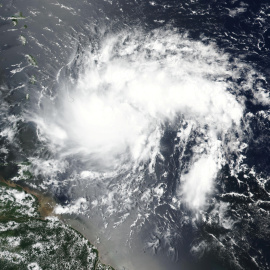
x=128 y=88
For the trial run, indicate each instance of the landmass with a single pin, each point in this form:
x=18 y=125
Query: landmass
x=32 y=238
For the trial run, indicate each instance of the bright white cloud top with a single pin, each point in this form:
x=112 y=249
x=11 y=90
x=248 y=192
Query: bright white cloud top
x=133 y=85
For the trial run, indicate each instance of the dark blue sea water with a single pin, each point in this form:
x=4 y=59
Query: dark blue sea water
x=197 y=194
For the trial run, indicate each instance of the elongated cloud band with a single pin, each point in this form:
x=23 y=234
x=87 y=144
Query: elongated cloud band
x=128 y=88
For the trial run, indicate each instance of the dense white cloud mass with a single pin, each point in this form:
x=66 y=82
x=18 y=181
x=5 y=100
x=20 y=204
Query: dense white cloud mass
x=129 y=88
x=76 y=207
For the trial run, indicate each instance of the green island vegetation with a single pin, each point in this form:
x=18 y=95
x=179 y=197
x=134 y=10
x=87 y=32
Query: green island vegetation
x=31 y=59
x=22 y=39
x=15 y=18
x=30 y=240
x=33 y=79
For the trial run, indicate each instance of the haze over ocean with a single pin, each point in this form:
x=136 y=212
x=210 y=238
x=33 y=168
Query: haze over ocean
x=147 y=121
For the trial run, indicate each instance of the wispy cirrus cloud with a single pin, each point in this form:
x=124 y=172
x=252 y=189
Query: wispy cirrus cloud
x=128 y=88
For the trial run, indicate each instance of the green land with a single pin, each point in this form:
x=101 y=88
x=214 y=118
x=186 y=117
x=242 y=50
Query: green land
x=29 y=240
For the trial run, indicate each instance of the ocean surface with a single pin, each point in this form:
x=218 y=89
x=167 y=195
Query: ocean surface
x=147 y=121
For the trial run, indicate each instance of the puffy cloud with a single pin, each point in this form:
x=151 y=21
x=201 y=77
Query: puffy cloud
x=128 y=88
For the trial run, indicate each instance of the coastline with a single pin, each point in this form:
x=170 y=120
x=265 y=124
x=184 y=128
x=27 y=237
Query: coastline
x=46 y=207
x=46 y=203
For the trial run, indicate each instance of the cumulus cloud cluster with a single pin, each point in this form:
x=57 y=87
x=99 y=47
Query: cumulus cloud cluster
x=125 y=92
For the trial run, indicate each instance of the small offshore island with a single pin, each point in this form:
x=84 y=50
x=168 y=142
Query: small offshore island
x=31 y=239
